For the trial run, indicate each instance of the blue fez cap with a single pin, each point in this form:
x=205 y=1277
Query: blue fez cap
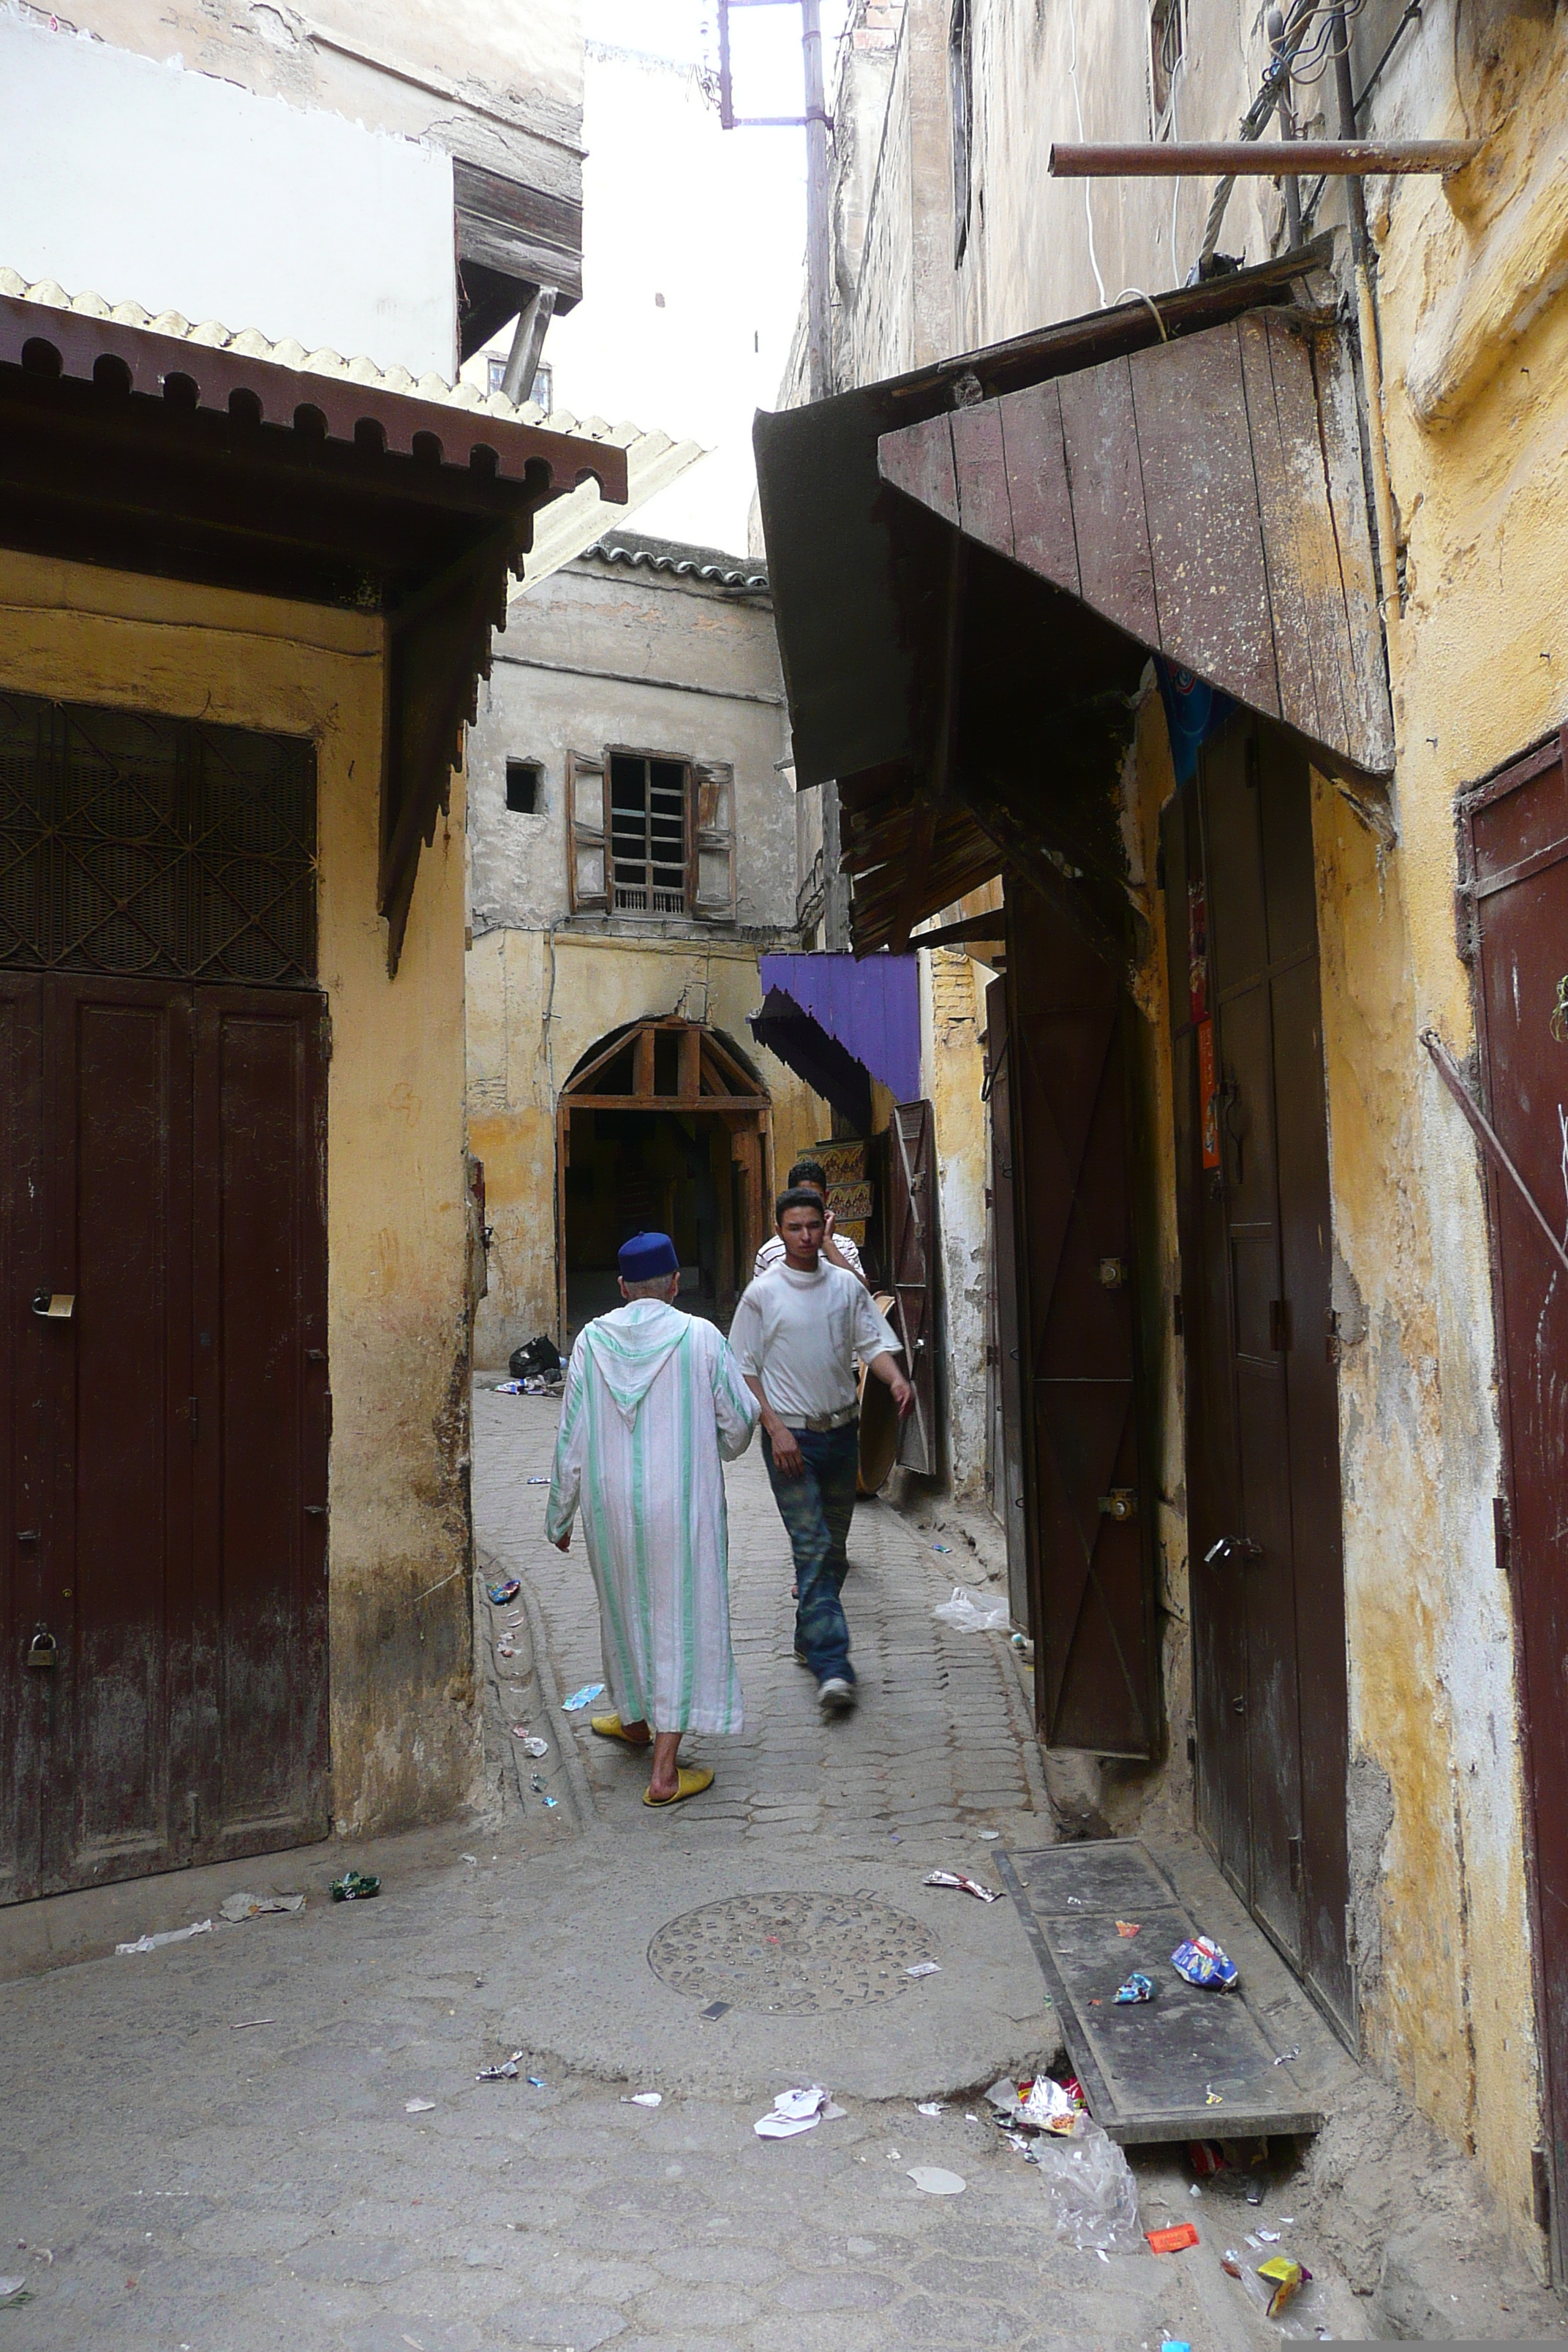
x=647 y=1256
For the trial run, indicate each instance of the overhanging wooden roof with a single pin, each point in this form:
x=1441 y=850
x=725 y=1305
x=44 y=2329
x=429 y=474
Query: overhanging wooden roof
x=192 y=460
x=973 y=692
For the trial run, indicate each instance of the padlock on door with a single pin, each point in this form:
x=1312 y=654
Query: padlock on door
x=43 y=1649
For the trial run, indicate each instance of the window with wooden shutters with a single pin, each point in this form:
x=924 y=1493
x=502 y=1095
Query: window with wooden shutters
x=587 y=867
x=713 y=842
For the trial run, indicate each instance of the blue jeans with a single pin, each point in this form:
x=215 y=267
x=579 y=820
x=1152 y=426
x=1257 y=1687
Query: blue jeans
x=817 y=1508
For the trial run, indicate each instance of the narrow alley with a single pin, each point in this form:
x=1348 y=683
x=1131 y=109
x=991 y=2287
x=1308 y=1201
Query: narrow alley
x=274 y=2133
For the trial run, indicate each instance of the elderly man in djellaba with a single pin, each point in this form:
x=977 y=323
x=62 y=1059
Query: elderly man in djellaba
x=654 y=1406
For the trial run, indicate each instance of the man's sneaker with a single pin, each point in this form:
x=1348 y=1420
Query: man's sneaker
x=836 y=1697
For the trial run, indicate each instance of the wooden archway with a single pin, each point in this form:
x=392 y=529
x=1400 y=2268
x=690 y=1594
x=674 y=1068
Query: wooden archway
x=670 y=1065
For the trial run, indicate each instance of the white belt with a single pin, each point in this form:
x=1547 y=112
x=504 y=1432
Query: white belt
x=819 y=1423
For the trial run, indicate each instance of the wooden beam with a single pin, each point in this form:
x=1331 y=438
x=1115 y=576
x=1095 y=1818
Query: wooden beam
x=1203 y=159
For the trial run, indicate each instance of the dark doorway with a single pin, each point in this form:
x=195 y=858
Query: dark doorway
x=163 y=1343
x=1088 y=1526
x=1263 y=1478
x=662 y=1127
x=1515 y=831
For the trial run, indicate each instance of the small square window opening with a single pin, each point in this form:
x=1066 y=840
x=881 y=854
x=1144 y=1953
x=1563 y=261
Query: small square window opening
x=524 y=787
x=544 y=392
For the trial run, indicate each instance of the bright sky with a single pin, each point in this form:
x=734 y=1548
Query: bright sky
x=693 y=246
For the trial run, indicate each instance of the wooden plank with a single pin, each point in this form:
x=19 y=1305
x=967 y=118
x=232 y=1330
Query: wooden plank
x=1036 y=458
x=1099 y=437
x=1306 y=595
x=1371 y=714
x=979 y=466
x=1201 y=498
x=919 y=460
x=643 y=1063
x=1151 y=2069
x=690 y=1065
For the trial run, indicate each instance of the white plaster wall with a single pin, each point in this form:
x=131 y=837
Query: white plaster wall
x=141 y=182
x=604 y=654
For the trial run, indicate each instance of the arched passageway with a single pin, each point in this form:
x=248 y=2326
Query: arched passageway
x=664 y=1125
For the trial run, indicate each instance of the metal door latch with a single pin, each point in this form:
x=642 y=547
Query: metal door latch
x=1113 y=1273
x=1120 y=1504
x=57 y=1305
x=43 y=1649
x=1218 y=1553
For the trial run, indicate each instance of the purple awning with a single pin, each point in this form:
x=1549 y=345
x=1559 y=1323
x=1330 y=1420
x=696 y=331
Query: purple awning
x=871 y=1007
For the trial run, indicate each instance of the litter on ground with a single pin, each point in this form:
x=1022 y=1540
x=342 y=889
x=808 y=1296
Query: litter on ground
x=170 y=1935
x=355 y=1886
x=924 y=1969
x=935 y=2181
x=1202 y=1962
x=929 y=2107
x=646 y=2099
x=793 y=2112
x=505 y=2073
x=964 y=1885
x=967 y=1614
x=499 y=1594
x=250 y=1906
x=1173 y=2241
x=418 y=2107
x=581 y=1698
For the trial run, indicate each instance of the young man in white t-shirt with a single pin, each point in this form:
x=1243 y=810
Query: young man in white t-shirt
x=838 y=1249
x=797 y=1335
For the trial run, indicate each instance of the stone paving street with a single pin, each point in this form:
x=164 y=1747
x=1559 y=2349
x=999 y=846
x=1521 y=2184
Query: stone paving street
x=272 y=2135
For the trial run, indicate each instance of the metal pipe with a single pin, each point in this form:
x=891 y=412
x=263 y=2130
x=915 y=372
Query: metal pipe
x=819 y=331
x=527 y=343
x=1196 y=159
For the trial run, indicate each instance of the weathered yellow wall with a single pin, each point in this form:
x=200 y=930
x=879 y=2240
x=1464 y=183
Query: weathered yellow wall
x=952 y=1015
x=1474 y=351
x=537 y=1002
x=405 y=1733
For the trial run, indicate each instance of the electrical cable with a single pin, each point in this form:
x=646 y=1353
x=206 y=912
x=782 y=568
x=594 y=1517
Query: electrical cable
x=1078 y=104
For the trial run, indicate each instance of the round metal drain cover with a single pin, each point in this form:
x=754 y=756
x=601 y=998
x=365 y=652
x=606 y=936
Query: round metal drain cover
x=791 y=1955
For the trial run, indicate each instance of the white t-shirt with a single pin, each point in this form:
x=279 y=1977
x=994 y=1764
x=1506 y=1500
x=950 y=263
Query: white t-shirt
x=802 y=1334
x=771 y=1254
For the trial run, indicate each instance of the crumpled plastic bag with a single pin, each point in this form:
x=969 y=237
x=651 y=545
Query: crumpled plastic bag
x=1094 y=2197
x=967 y=1614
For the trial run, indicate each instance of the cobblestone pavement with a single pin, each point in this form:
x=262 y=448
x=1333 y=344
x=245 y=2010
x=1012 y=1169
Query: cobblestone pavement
x=941 y=1735
x=273 y=2134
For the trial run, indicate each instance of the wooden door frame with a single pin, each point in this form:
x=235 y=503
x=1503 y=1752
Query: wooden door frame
x=747 y=1115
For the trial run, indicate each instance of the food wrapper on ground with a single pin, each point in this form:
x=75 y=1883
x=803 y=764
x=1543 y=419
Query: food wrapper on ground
x=1137 y=1988
x=1173 y=2240
x=1202 y=1962
x=1049 y=2106
x=964 y=1885
x=355 y=1886
x=1286 y=2278
x=1092 y=2192
x=499 y=1594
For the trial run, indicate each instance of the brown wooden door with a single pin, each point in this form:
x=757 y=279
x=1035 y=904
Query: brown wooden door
x=1088 y=1526
x=1516 y=832
x=167 y=1462
x=1263 y=1491
x=1009 y=1373
x=911 y=1254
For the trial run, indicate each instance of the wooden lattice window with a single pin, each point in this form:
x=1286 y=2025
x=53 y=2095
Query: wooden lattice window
x=648 y=851
x=157 y=848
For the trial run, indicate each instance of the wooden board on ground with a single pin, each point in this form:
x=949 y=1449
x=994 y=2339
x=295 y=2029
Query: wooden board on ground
x=1190 y=2064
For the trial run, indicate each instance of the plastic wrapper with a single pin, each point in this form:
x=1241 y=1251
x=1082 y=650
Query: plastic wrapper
x=969 y=1614
x=964 y=1885
x=1304 y=2308
x=1048 y=2106
x=1093 y=2193
x=1137 y=1988
x=1202 y=1962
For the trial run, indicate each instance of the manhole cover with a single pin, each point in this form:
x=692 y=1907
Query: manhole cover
x=791 y=1955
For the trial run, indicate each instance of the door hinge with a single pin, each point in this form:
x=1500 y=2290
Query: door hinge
x=1293 y=1852
x=1541 y=2186
x=1178 y=1314
x=1280 y=1326
x=1121 y=1503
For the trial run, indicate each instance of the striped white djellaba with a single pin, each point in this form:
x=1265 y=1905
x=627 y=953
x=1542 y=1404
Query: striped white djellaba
x=654 y=1404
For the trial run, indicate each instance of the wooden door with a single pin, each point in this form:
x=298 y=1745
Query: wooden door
x=1009 y=1483
x=912 y=1257
x=1515 y=838
x=1088 y=1523
x=167 y=1439
x=1263 y=1491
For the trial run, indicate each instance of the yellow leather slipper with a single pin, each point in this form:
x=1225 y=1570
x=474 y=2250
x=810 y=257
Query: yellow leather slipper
x=690 y=1781
x=610 y=1727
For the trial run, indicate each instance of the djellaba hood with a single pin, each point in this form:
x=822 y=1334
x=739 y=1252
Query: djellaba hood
x=629 y=1350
